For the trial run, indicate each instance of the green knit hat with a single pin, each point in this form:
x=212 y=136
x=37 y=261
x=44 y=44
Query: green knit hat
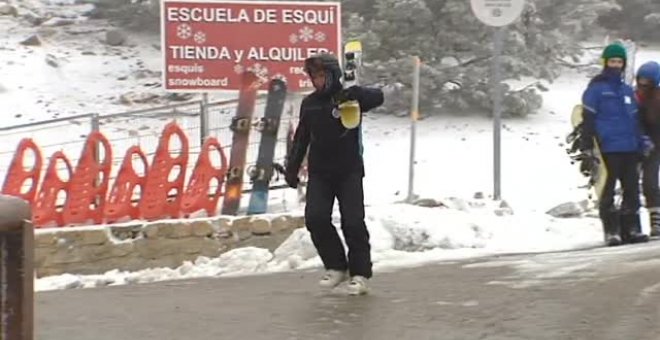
x=614 y=51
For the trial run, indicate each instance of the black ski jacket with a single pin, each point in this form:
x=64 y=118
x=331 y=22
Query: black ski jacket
x=333 y=149
x=649 y=109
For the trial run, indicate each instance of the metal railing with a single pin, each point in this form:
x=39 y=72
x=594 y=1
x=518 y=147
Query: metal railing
x=198 y=119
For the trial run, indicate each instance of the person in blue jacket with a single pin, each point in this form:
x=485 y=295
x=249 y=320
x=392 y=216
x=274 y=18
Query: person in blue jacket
x=648 y=97
x=610 y=114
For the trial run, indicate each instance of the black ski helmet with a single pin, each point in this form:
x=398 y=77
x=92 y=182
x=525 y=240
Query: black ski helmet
x=328 y=63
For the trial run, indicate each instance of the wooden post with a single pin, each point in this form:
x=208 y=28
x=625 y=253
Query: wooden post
x=16 y=270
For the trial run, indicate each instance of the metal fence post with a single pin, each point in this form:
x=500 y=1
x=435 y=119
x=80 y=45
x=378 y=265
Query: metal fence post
x=204 y=118
x=96 y=127
x=16 y=270
x=95 y=123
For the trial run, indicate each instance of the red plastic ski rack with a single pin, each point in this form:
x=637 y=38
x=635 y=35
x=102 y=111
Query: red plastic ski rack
x=119 y=204
x=198 y=194
x=87 y=192
x=162 y=197
x=45 y=209
x=17 y=176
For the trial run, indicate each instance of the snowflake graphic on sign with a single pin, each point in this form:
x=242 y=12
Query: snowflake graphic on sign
x=260 y=71
x=319 y=36
x=184 y=31
x=200 y=37
x=238 y=68
x=306 y=34
x=293 y=38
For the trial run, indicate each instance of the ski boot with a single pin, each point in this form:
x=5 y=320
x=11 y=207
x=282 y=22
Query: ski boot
x=332 y=278
x=612 y=240
x=654 y=223
x=632 y=228
x=611 y=227
x=624 y=233
x=358 y=286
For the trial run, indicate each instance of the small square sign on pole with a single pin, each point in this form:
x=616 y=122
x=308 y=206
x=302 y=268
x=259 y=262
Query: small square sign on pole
x=499 y=14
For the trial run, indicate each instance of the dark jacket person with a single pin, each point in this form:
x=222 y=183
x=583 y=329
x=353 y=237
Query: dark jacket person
x=336 y=170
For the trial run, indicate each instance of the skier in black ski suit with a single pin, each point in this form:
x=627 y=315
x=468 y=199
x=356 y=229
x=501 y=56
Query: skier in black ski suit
x=335 y=169
x=611 y=115
x=648 y=96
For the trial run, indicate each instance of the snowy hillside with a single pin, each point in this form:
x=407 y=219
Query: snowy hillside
x=77 y=65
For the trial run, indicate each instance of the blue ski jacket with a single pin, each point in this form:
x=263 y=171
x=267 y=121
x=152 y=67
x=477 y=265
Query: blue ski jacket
x=611 y=114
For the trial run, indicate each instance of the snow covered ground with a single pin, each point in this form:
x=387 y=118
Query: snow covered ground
x=402 y=236
x=453 y=163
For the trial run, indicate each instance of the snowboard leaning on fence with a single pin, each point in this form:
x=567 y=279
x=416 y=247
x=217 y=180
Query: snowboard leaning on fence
x=240 y=126
x=262 y=172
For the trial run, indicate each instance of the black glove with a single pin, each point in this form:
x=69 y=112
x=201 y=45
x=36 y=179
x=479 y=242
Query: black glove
x=586 y=145
x=588 y=163
x=353 y=93
x=291 y=178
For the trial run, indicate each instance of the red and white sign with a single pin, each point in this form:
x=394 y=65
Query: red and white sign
x=208 y=44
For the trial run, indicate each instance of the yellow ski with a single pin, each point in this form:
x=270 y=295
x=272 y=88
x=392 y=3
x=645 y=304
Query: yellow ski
x=349 y=111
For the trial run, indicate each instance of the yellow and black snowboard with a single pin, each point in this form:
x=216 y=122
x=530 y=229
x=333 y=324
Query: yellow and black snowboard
x=594 y=169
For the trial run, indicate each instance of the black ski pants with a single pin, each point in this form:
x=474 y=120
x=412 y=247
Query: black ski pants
x=622 y=167
x=650 y=168
x=321 y=194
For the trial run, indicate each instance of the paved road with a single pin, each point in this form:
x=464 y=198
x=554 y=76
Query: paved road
x=594 y=294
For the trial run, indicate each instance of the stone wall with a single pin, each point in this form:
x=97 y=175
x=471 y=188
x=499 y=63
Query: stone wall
x=139 y=245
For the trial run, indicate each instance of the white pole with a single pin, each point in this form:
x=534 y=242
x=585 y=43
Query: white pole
x=414 y=116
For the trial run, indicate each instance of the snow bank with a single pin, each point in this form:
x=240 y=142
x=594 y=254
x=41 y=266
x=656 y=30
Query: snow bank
x=402 y=235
